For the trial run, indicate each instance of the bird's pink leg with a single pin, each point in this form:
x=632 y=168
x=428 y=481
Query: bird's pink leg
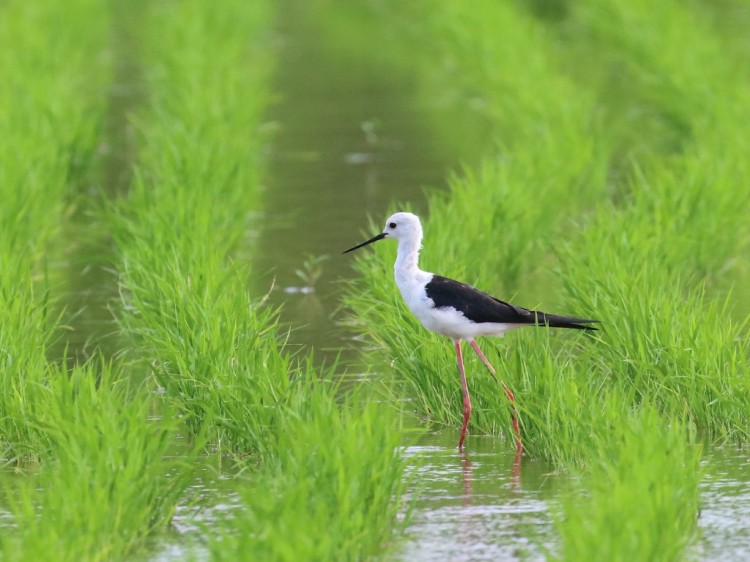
x=465 y=389
x=508 y=393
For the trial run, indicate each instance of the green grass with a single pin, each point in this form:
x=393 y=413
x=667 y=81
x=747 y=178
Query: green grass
x=550 y=152
x=614 y=187
x=546 y=171
x=641 y=495
x=214 y=350
x=681 y=227
x=106 y=482
x=218 y=353
x=97 y=480
x=641 y=260
x=333 y=491
x=49 y=113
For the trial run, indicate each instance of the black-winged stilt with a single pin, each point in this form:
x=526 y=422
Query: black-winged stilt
x=457 y=310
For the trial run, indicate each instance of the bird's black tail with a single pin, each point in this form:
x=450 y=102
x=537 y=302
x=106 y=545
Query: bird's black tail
x=555 y=321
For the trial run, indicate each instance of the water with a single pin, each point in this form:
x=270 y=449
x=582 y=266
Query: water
x=209 y=500
x=487 y=504
x=725 y=506
x=89 y=269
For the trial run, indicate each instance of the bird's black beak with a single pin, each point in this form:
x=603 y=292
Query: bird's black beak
x=370 y=241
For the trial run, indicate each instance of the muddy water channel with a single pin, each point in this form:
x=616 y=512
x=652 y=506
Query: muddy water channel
x=350 y=140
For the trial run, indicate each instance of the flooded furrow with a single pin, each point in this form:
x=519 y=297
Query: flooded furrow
x=90 y=284
x=351 y=141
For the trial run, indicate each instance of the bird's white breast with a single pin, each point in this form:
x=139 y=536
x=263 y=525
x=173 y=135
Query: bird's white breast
x=412 y=289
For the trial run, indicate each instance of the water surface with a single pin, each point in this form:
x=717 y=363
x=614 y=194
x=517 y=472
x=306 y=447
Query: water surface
x=485 y=504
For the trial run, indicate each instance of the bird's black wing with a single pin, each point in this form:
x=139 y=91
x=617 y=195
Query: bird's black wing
x=480 y=307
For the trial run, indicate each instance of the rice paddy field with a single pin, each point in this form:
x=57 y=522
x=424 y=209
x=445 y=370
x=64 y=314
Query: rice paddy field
x=190 y=370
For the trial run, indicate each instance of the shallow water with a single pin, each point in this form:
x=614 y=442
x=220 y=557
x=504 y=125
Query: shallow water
x=485 y=504
x=209 y=500
x=725 y=505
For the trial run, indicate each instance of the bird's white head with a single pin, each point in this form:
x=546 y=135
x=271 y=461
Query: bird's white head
x=404 y=227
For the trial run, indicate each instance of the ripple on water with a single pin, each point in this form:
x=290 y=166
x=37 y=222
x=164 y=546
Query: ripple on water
x=725 y=506
x=484 y=505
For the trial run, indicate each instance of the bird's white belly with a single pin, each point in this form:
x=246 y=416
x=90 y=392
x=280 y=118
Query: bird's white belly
x=450 y=322
x=453 y=324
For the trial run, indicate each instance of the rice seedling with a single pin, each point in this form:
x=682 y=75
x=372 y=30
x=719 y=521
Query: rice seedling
x=658 y=226
x=674 y=59
x=104 y=483
x=49 y=114
x=538 y=116
x=681 y=226
x=217 y=353
x=334 y=490
x=676 y=349
x=108 y=482
x=730 y=21
x=641 y=495
x=214 y=351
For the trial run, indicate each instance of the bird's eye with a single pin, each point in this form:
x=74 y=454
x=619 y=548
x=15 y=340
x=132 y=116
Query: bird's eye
x=392 y=225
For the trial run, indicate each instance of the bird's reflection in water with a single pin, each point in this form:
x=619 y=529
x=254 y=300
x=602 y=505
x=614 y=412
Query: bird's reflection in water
x=473 y=519
x=474 y=506
x=515 y=473
x=467 y=475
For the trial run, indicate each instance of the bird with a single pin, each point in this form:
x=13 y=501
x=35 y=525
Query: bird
x=457 y=310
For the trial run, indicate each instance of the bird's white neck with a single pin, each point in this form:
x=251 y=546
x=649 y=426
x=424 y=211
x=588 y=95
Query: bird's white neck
x=407 y=261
